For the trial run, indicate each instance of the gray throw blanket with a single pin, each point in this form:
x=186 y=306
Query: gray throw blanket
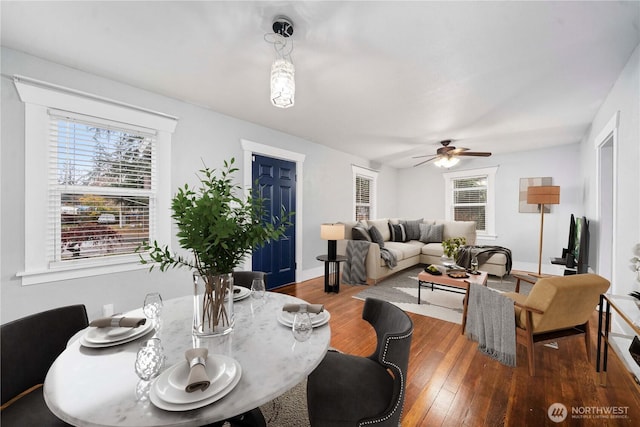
x=388 y=257
x=355 y=270
x=491 y=322
x=466 y=254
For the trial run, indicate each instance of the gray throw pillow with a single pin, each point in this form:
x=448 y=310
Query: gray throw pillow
x=360 y=233
x=376 y=236
x=431 y=233
x=398 y=233
x=412 y=228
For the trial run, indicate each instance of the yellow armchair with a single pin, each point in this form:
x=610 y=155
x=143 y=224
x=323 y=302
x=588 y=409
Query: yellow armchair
x=557 y=307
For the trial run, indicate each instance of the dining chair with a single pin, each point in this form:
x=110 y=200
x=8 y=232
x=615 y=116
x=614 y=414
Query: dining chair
x=245 y=278
x=30 y=345
x=347 y=390
x=557 y=307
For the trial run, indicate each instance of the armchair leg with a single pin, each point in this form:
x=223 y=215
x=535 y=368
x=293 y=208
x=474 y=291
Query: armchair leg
x=529 y=344
x=587 y=340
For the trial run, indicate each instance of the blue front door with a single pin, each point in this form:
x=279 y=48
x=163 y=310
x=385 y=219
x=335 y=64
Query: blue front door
x=277 y=183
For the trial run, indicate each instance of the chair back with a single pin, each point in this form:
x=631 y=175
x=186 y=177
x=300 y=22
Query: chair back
x=245 y=278
x=394 y=329
x=31 y=344
x=565 y=300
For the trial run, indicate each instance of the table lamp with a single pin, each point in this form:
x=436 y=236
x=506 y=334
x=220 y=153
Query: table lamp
x=543 y=195
x=332 y=232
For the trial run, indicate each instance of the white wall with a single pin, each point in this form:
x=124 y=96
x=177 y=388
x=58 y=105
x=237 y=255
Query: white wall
x=201 y=135
x=624 y=98
x=421 y=195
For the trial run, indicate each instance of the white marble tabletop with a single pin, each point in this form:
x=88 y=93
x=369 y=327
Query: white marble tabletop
x=97 y=387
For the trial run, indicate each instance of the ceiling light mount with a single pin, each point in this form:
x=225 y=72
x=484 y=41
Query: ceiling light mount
x=283 y=26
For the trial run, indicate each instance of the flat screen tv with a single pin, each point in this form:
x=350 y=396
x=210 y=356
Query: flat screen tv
x=576 y=255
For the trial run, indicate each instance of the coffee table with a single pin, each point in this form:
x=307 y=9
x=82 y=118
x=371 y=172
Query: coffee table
x=450 y=284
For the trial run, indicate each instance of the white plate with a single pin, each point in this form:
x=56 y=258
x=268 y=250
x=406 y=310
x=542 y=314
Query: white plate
x=167 y=406
x=244 y=293
x=170 y=385
x=97 y=338
x=286 y=318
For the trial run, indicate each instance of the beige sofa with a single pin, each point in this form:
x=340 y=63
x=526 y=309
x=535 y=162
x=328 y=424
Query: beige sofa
x=414 y=252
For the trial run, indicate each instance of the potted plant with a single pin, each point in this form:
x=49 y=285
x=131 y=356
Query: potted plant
x=219 y=228
x=451 y=246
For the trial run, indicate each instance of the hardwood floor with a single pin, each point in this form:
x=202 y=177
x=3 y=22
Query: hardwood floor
x=450 y=383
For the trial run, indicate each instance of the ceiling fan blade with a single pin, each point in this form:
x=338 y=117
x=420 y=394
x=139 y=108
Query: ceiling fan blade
x=457 y=151
x=474 y=153
x=425 y=161
x=418 y=157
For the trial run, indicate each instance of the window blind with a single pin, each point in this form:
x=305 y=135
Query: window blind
x=101 y=187
x=470 y=200
x=363 y=197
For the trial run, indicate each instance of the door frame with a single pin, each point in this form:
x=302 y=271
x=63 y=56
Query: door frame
x=608 y=133
x=249 y=149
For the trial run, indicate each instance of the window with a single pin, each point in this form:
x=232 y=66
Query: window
x=364 y=190
x=470 y=196
x=93 y=188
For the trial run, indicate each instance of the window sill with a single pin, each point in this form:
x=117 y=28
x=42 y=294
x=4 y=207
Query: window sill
x=486 y=237
x=82 y=269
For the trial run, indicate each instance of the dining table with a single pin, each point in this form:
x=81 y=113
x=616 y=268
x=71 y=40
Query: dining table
x=88 y=386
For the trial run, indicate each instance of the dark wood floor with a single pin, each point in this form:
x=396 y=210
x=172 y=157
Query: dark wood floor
x=450 y=383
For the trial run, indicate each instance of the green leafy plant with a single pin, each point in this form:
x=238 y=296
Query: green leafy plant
x=452 y=245
x=220 y=228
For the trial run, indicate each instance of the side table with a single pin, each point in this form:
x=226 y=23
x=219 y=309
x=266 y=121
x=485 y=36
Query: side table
x=331 y=272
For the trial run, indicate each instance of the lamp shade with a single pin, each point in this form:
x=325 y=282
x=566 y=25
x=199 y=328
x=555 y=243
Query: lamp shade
x=332 y=231
x=543 y=195
x=283 y=85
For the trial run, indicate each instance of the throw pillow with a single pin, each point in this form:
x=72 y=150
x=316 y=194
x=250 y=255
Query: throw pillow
x=398 y=233
x=412 y=228
x=360 y=233
x=376 y=236
x=431 y=233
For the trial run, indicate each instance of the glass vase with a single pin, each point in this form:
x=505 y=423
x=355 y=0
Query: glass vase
x=212 y=304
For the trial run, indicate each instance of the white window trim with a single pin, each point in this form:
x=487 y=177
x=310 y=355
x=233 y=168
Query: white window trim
x=373 y=193
x=490 y=214
x=38 y=97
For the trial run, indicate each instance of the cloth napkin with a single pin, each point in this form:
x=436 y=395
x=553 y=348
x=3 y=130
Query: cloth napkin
x=115 y=321
x=311 y=308
x=198 y=378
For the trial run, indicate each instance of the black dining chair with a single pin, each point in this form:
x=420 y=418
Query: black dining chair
x=245 y=278
x=346 y=390
x=30 y=345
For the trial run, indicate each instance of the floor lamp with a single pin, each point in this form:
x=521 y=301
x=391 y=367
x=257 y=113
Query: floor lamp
x=543 y=195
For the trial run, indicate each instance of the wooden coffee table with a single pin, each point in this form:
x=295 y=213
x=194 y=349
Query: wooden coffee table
x=450 y=284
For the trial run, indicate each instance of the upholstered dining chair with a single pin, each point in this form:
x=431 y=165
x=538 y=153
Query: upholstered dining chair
x=347 y=390
x=245 y=278
x=557 y=307
x=30 y=345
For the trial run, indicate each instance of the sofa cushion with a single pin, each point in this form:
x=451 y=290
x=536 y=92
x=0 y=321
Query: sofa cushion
x=360 y=233
x=466 y=229
x=433 y=249
x=431 y=233
x=348 y=226
x=398 y=233
x=383 y=227
x=403 y=250
x=412 y=228
x=376 y=236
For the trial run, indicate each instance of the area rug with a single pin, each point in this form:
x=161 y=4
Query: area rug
x=401 y=289
x=288 y=410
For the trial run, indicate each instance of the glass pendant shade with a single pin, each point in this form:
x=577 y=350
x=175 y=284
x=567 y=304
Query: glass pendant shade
x=447 y=162
x=283 y=85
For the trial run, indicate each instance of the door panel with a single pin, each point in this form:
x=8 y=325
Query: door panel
x=276 y=183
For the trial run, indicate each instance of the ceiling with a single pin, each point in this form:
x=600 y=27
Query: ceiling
x=383 y=80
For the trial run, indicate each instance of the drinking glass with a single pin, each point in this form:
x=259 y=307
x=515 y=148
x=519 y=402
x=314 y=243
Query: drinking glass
x=152 y=305
x=474 y=265
x=257 y=288
x=302 y=326
x=149 y=359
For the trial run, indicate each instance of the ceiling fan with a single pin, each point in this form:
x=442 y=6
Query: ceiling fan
x=447 y=155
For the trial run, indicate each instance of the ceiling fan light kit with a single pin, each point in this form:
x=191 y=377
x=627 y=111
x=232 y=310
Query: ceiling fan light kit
x=283 y=84
x=448 y=156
